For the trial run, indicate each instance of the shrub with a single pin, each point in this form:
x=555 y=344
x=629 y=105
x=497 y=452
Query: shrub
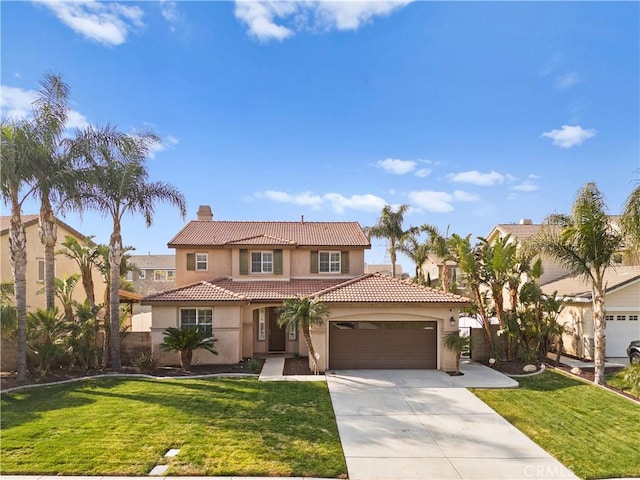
x=146 y=363
x=255 y=365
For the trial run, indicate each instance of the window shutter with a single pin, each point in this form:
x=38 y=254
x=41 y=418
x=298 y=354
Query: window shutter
x=314 y=262
x=41 y=270
x=191 y=261
x=344 y=262
x=277 y=262
x=244 y=262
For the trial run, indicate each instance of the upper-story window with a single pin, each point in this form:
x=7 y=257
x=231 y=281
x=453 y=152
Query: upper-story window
x=198 y=262
x=142 y=275
x=261 y=262
x=329 y=262
x=164 y=275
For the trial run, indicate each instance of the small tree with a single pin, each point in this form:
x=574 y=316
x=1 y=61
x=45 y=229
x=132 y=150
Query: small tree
x=185 y=341
x=300 y=313
x=46 y=331
x=456 y=343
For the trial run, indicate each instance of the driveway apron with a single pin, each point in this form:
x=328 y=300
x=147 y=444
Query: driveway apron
x=418 y=424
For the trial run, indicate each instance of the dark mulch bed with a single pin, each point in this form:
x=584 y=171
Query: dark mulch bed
x=515 y=367
x=587 y=373
x=297 y=366
x=8 y=379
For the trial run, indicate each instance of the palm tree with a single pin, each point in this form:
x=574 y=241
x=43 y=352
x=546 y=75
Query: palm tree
x=47 y=331
x=389 y=226
x=116 y=184
x=631 y=222
x=300 y=313
x=86 y=256
x=585 y=244
x=64 y=292
x=51 y=171
x=456 y=343
x=442 y=246
x=418 y=253
x=14 y=175
x=185 y=341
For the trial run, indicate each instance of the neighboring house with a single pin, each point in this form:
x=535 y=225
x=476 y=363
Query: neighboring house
x=384 y=269
x=155 y=273
x=622 y=309
x=433 y=268
x=35 y=261
x=232 y=277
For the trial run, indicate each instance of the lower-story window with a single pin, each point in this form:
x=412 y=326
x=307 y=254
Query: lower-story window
x=201 y=318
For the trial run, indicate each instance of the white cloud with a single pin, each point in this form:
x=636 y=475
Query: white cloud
x=423 y=172
x=272 y=20
x=567 y=80
x=526 y=186
x=395 y=166
x=569 y=136
x=103 y=22
x=462 y=196
x=171 y=13
x=338 y=202
x=165 y=144
x=478 y=178
x=17 y=104
x=440 y=202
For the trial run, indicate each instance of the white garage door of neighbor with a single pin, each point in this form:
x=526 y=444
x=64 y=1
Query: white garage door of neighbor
x=620 y=332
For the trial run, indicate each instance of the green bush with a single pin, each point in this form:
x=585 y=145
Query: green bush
x=146 y=363
x=255 y=365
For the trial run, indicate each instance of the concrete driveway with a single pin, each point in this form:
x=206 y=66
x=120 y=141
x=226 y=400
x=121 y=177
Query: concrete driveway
x=417 y=424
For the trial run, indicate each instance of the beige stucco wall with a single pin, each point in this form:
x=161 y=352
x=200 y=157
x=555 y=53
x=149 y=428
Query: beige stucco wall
x=226 y=329
x=218 y=265
x=63 y=265
x=388 y=312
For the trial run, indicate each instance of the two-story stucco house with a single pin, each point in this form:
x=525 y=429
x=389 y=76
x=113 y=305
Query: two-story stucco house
x=232 y=277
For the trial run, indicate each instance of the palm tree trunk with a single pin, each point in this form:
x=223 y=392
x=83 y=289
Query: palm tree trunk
x=48 y=236
x=445 y=278
x=306 y=333
x=18 y=250
x=87 y=284
x=599 y=326
x=115 y=257
x=106 y=343
x=392 y=254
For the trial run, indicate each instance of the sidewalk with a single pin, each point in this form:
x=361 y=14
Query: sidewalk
x=573 y=362
x=273 y=368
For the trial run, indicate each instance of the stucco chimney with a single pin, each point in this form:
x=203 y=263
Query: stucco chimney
x=205 y=214
x=526 y=221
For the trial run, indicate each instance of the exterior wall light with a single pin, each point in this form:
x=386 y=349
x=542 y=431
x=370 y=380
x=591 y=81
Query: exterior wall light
x=452 y=321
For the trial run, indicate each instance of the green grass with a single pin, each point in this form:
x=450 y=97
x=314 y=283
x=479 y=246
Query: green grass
x=592 y=431
x=123 y=427
x=627 y=380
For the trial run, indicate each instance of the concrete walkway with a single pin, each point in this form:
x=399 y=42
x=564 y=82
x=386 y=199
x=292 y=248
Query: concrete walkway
x=422 y=424
x=273 y=368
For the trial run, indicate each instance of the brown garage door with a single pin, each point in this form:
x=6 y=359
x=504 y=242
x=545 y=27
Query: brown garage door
x=380 y=345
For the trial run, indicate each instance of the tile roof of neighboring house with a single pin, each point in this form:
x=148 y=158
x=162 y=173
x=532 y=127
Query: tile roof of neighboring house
x=520 y=231
x=577 y=287
x=224 y=233
x=225 y=289
x=365 y=288
x=145 y=262
x=28 y=220
x=378 y=288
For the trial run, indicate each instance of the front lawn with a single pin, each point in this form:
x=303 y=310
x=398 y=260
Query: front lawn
x=121 y=426
x=592 y=431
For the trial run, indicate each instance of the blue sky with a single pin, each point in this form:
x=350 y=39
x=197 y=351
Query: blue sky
x=472 y=113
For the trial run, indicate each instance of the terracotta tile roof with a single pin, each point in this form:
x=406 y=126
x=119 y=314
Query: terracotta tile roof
x=225 y=289
x=28 y=220
x=222 y=233
x=385 y=289
x=145 y=262
x=577 y=287
x=365 y=288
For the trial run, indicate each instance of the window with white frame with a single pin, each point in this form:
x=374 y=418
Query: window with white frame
x=608 y=318
x=633 y=318
x=262 y=325
x=261 y=262
x=142 y=275
x=164 y=275
x=201 y=318
x=130 y=275
x=202 y=261
x=329 y=262
x=621 y=318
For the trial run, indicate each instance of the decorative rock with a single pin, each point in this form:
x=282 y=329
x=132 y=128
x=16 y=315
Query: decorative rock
x=159 y=470
x=529 y=368
x=576 y=370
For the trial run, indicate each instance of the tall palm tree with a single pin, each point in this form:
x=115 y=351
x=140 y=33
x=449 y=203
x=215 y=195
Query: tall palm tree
x=14 y=176
x=390 y=227
x=51 y=171
x=418 y=252
x=442 y=246
x=585 y=244
x=116 y=184
x=300 y=313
